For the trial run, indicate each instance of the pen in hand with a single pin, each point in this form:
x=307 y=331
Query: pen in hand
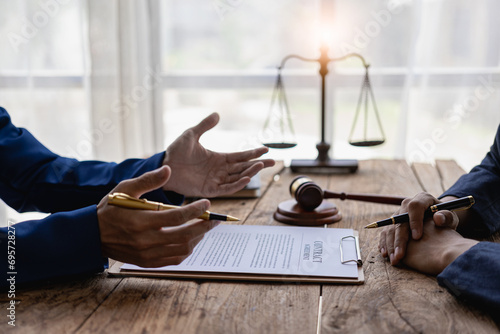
x=127 y=201
x=458 y=204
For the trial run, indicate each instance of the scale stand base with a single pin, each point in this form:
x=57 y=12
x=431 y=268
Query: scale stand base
x=324 y=167
x=290 y=212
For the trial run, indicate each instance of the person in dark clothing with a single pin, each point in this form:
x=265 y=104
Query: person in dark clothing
x=83 y=230
x=445 y=245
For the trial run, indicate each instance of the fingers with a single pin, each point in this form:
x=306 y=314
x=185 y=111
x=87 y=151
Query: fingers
x=169 y=246
x=160 y=255
x=393 y=241
x=175 y=217
x=446 y=218
x=241 y=176
x=245 y=169
x=401 y=237
x=249 y=155
x=382 y=242
x=183 y=234
x=145 y=183
x=156 y=257
x=253 y=169
x=238 y=167
x=206 y=124
x=242 y=169
x=416 y=207
x=229 y=188
x=152 y=238
x=389 y=239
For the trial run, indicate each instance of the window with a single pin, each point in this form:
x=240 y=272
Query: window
x=434 y=70
x=42 y=71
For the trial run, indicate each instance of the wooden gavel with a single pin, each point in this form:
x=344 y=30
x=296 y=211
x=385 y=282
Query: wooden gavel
x=309 y=195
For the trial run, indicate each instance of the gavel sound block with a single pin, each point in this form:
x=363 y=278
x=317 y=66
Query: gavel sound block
x=308 y=208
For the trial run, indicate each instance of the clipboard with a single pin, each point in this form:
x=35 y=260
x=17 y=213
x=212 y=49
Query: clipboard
x=117 y=271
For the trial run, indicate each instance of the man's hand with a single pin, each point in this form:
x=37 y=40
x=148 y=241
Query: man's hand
x=150 y=238
x=394 y=238
x=438 y=247
x=197 y=171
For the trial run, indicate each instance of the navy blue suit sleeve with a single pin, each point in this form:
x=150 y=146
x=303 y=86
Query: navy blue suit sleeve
x=482 y=182
x=474 y=277
x=66 y=243
x=32 y=178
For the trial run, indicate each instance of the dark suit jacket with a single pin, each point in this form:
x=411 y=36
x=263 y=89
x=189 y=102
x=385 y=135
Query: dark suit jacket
x=475 y=275
x=32 y=178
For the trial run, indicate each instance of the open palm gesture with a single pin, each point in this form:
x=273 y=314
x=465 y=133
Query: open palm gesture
x=197 y=171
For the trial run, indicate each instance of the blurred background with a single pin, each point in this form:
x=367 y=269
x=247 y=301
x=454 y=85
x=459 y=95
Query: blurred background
x=116 y=79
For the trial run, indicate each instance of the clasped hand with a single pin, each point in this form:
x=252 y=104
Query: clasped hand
x=395 y=239
x=427 y=246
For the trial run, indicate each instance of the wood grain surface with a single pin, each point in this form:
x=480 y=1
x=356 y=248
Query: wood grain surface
x=392 y=300
x=178 y=306
x=395 y=299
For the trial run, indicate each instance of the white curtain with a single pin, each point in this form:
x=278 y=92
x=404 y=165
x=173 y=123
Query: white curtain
x=124 y=78
x=83 y=76
x=94 y=73
x=452 y=89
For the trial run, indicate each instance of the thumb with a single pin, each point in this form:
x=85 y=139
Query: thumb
x=147 y=182
x=446 y=218
x=206 y=124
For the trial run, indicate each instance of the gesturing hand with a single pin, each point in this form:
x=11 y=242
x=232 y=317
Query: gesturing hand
x=394 y=238
x=197 y=171
x=150 y=238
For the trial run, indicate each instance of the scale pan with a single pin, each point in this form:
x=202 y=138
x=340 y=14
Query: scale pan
x=367 y=143
x=280 y=145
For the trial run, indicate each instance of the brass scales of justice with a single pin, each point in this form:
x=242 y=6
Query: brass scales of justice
x=309 y=206
x=323 y=163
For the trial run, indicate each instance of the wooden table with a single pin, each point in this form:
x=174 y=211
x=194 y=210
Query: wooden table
x=392 y=300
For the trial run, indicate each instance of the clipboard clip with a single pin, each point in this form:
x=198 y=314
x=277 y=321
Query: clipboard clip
x=358 y=260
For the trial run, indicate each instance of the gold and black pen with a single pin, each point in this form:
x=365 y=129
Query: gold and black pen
x=127 y=201
x=457 y=204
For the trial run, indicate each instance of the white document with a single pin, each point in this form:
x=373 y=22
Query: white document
x=282 y=250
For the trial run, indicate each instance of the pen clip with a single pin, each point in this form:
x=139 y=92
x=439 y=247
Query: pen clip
x=435 y=208
x=124 y=196
x=472 y=201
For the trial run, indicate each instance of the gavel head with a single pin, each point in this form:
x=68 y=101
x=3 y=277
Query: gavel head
x=307 y=193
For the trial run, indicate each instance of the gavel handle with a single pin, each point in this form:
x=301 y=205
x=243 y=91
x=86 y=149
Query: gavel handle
x=396 y=200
